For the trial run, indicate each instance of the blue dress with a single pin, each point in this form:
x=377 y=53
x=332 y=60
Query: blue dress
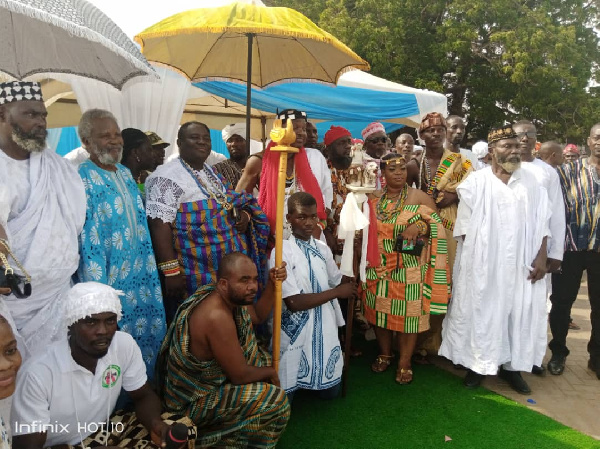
x=116 y=249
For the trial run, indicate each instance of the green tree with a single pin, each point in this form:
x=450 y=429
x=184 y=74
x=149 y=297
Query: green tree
x=496 y=60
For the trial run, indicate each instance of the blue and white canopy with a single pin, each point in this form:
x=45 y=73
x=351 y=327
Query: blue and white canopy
x=358 y=99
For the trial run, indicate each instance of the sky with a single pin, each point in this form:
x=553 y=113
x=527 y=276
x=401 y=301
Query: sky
x=134 y=16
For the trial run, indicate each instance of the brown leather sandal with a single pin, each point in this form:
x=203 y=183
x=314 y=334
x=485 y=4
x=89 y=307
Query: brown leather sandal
x=404 y=376
x=381 y=363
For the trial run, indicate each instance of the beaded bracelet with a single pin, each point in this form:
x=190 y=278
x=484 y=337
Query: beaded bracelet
x=168 y=265
x=422 y=227
x=172 y=272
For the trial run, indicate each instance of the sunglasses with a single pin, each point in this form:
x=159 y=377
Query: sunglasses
x=530 y=135
x=377 y=140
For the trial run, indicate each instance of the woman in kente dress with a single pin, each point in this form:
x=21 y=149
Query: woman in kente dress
x=405 y=289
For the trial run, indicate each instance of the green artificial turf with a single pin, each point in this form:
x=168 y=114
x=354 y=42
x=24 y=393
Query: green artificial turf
x=378 y=413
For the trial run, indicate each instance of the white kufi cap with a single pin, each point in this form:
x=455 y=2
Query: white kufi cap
x=234 y=128
x=480 y=149
x=89 y=298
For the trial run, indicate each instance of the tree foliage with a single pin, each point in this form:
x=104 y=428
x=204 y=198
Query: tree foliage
x=496 y=60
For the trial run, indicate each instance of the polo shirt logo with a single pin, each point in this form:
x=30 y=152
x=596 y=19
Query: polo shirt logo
x=110 y=376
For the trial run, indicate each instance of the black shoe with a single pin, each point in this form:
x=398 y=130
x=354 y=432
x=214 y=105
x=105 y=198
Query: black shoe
x=556 y=365
x=472 y=379
x=538 y=370
x=515 y=380
x=595 y=367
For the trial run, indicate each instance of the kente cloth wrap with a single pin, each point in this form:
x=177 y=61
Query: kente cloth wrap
x=453 y=169
x=305 y=180
x=203 y=232
x=125 y=430
x=234 y=416
x=116 y=250
x=404 y=290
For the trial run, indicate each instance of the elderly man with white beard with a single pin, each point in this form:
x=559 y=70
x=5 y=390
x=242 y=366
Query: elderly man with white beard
x=115 y=243
x=42 y=210
x=498 y=311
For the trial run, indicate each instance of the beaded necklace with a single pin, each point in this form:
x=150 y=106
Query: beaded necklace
x=290 y=182
x=424 y=163
x=383 y=212
x=212 y=189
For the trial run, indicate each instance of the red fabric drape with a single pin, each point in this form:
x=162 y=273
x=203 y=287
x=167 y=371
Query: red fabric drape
x=305 y=180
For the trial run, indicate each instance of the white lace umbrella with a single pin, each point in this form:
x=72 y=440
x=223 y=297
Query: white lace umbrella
x=49 y=37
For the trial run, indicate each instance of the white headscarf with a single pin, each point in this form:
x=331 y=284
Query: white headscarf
x=480 y=149
x=89 y=298
x=234 y=128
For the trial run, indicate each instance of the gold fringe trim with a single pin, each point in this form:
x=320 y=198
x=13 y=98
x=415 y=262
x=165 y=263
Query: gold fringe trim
x=326 y=38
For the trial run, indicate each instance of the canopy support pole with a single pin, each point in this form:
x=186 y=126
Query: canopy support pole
x=249 y=90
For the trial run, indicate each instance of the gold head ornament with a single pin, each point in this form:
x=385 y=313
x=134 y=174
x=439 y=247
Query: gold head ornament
x=283 y=136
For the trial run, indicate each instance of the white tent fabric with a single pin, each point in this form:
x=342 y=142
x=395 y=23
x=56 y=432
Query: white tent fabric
x=150 y=105
x=427 y=100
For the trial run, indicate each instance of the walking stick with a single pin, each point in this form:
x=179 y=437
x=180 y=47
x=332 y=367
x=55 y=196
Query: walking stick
x=283 y=138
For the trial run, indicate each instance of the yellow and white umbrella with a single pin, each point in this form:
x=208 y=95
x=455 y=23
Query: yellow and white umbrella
x=258 y=45
x=255 y=44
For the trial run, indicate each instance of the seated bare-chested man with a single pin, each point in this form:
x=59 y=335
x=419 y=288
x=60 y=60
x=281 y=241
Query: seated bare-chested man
x=212 y=368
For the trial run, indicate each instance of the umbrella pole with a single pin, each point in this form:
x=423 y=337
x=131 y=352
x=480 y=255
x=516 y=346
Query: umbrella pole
x=249 y=90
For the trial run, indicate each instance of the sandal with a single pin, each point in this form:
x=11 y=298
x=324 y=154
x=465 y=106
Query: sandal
x=404 y=376
x=381 y=363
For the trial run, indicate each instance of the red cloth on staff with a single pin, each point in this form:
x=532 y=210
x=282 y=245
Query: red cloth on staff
x=305 y=181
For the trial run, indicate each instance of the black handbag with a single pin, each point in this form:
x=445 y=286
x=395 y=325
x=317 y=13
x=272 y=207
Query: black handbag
x=20 y=285
x=403 y=246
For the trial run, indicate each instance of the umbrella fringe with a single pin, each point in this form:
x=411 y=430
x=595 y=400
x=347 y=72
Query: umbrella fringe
x=275 y=83
x=76 y=30
x=348 y=68
x=254 y=30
